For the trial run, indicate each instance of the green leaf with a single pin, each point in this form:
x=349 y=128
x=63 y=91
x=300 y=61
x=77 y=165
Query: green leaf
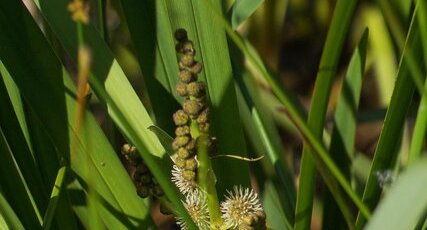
x=276 y=217
x=261 y=130
x=107 y=177
x=164 y=138
x=210 y=43
x=41 y=68
x=111 y=180
x=111 y=86
x=8 y=218
x=327 y=167
x=54 y=197
x=152 y=36
x=316 y=118
x=343 y=135
x=405 y=202
x=420 y=126
x=242 y=10
x=14 y=126
x=15 y=189
x=386 y=153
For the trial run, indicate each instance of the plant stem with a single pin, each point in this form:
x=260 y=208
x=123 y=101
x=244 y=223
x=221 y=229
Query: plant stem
x=207 y=182
x=206 y=176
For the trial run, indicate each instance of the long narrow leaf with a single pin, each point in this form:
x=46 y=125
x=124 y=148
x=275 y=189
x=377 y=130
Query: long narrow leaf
x=386 y=152
x=8 y=218
x=421 y=121
x=327 y=69
x=112 y=178
x=343 y=136
x=241 y=10
x=15 y=190
x=111 y=85
x=14 y=129
x=211 y=49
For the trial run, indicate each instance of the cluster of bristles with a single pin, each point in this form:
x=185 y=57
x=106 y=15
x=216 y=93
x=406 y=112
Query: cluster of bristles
x=242 y=210
x=193 y=115
x=145 y=183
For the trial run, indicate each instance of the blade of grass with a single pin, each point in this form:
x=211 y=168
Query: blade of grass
x=382 y=52
x=407 y=193
x=275 y=214
x=211 y=49
x=254 y=129
x=294 y=113
x=15 y=190
x=242 y=10
x=78 y=200
x=19 y=25
x=152 y=36
x=8 y=217
x=111 y=173
x=164 y=138
x=387 y=148
x=397 y=32
x=340 y=23
x=112 y=87
x=343 y=135
x=160 y=167
x=18 y=107
x=14 y=129
x=57 y=188
x=53 y=118
x=112 y=182
x=420 y=126
x=265 y=130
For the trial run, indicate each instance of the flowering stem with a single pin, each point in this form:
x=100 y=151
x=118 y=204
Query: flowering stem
x=206 y=176
x=207 y=182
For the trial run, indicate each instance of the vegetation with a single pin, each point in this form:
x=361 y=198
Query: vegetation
x=130 y=114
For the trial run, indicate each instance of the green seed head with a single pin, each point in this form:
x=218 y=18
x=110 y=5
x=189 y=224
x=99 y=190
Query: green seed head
x=204 y=127
x=187 y=60
x=180 y=162
x=203 y=116
x=196 y=68
x=180 y=141
x=196 y=89
x=186 y=76
x=183 y=153
x=181 y=35
x=181 y=89
x=182 y=130
x=192 y=108
x=127 y=148
x=187 y=48
x=180 y=118
x=191 y=164
x=189 y=175
x=191 y=146
x=131 y=154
